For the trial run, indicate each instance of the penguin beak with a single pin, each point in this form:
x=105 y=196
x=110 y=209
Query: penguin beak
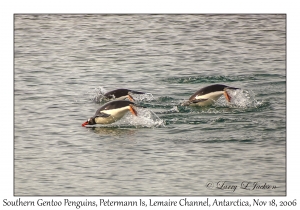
x=85 y=123
x=132 y=110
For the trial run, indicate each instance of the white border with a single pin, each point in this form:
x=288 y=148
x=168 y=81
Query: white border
x=9 y=7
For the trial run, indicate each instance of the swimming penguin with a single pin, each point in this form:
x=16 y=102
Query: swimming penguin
x=111 y=112
x=121 y=94
x=208 y=95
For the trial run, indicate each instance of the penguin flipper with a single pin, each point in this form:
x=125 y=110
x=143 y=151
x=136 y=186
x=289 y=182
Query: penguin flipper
x=101 y=114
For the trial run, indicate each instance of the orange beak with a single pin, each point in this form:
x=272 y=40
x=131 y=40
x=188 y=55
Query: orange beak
x=132 y=110
x=227 y=96
x=84 y=124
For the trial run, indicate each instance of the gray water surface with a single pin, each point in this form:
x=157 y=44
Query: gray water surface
x=63 y=62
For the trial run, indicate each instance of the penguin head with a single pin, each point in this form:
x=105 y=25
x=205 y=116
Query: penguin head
x=90 y=121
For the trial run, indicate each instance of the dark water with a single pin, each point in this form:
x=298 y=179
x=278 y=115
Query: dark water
x=63 y=62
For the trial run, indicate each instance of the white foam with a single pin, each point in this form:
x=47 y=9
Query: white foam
x=142 y=97
x=145 y=118
x=173 y=110
x=97 y=94
x=240 y=99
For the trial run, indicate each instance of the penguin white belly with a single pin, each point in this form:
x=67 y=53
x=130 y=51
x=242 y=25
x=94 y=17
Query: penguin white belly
x=121 y=98
x=211 y=98
x=115 y=115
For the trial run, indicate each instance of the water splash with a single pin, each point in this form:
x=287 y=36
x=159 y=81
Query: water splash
x=142 y=97
x=170 y=111
x=97 y=94
x=145 y=118
x=239 y=99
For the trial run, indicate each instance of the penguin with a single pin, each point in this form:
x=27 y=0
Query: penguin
x=121 y=94
x=208 y=95
x=111 y=112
